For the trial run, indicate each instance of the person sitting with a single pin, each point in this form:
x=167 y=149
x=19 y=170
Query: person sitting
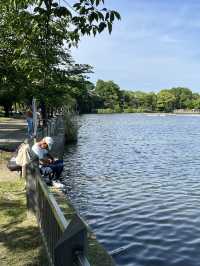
x=49 y=167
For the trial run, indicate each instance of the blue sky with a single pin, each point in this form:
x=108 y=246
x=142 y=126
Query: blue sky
x=155 y=46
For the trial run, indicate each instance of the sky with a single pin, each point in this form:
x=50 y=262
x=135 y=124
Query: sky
x=155 y=46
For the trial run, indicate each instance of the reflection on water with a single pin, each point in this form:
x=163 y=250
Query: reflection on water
x=135 y=178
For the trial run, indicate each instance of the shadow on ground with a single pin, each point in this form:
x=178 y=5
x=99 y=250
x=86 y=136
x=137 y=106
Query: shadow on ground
x=20 y=239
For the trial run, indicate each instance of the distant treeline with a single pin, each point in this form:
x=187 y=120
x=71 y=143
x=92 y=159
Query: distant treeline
x=107 y=97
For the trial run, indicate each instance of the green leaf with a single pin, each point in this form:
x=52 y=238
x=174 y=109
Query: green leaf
x=101 y=27
x=100 y=15
x=82 y=10
x=112 y=16
x=77 y=6
x=117 y=15
x=91 y=18
x=109 y=27
x=96 y=17
x=94 y=31
x=55 y=4
x=107 y=16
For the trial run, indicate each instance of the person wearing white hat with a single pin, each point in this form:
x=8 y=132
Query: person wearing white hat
x=42 y=148
x=48 y=166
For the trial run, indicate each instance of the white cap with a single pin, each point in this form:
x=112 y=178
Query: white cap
x=49 y=141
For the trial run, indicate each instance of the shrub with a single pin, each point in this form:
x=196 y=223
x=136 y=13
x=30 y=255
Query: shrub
x=71 y=126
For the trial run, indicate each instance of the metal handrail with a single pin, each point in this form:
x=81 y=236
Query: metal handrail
x=60 y=236
x=81 y=259
x=54 y=205
x=50 y=129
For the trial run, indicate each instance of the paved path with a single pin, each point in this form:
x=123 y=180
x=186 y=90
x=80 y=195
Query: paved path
x=12 y=133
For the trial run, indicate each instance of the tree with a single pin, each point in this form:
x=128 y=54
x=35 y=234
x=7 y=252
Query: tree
x=195 y=103
x=165 y=101
x=150 y=101
x=11 y=79
x=183 y=97
x=43 y=30
x=110 y=94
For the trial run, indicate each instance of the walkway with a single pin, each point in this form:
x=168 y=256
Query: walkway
x=12 y=133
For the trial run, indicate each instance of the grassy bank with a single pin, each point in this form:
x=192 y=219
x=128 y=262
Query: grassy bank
x=20 y=240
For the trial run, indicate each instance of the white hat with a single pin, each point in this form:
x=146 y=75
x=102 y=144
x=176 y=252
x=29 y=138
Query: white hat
x=49 y=141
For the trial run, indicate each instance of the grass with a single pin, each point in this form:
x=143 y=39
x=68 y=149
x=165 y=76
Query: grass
x=5 y=119
x=4 y=156
x=20 y=240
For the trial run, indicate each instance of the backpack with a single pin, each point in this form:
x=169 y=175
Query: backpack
x=23 y=155
x=12 y=166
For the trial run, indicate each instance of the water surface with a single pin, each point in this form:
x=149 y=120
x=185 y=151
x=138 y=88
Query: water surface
x=136 y=180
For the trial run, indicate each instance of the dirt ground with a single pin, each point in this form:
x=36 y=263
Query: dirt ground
x=5 y=173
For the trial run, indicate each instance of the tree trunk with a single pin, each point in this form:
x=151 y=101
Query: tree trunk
x=7 y=109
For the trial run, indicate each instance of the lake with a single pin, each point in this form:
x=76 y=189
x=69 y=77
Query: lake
x=135 y=178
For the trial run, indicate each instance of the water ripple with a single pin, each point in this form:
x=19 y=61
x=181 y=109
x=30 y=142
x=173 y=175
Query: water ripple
x=135 y=179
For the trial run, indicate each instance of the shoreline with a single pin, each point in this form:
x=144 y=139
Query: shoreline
x=146 y=113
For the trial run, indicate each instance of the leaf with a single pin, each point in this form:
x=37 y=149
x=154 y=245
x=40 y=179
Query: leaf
x=107 y=16
x=83 y=31
x=82 y=10
x=96 y=16
x=117 y=15
x=112 y=16
x=101 y=27
x=91 y=18
x=109 y=27
x=94 y=31
x=36 y=9
x=55 y=4
x=100 y=15
x=77 y=6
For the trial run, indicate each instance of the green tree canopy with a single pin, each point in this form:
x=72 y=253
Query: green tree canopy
x=35 y=39
x=109 y=92
x=165 y=101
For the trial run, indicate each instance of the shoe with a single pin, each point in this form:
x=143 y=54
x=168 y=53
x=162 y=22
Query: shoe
x=57 y=184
